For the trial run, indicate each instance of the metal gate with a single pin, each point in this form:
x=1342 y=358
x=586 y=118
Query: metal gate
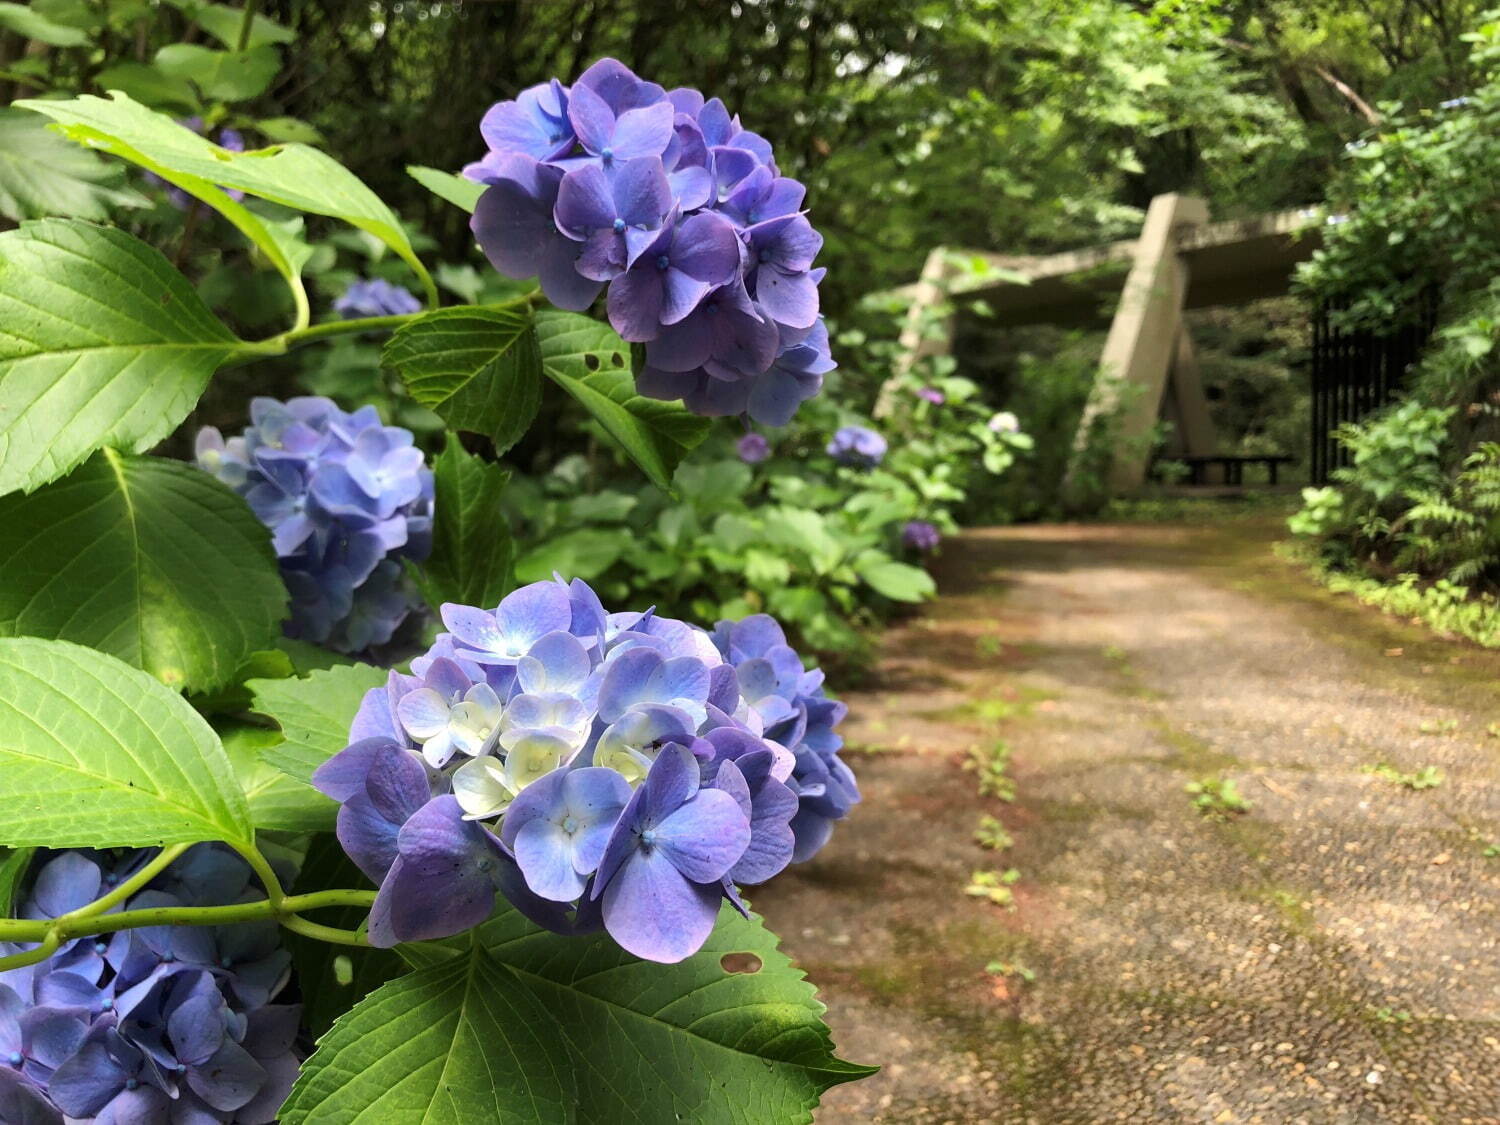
x=1355 y=374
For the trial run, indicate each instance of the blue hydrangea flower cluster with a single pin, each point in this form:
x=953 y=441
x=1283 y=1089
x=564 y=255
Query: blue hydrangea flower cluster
x=614 y=770
x=147 y=1025
x=920 y=535
x=858 y=447
x=376 y=297
x=667 y=199
x=345 y=498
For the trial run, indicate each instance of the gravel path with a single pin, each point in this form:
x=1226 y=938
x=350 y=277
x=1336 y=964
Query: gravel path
x=1329 y=956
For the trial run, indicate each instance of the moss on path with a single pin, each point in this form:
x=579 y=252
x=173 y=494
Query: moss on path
x=1331 y=956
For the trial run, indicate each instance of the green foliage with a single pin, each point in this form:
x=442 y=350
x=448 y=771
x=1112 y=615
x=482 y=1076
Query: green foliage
x=994 y=886
x=42 y=174
x=478 y=368
x=77 y=371
x=458 y=1040
x=992 y=764
x=731 y=1034
x=1424 y=777
x=589 y=361
x=472 y=552
x=992 y=834
x=1218 y=797
x=314 y=713
x=291 y=175
x=146 y=559
x=94 y=753
x=277 y=802
x=1416 y=205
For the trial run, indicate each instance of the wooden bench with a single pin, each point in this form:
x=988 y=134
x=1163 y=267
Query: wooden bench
x=1233 y=467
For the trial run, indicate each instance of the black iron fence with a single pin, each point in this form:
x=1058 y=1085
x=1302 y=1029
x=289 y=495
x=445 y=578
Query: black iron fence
x=1356 y=373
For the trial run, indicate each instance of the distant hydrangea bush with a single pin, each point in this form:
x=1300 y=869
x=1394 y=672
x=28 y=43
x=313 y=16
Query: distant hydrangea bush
x=616 y=770
x=147 y=1025
x=376 y=297
x=920 y=535
x=664 y=197
x=346 y=498
x=858 y=447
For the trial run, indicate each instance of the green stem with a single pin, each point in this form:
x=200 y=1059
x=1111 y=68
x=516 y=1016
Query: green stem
x=301 y=336
x=31 y=956
x=128 y=887
x=246 y=23
x=52 y=933
x=262 y=869
x=318 y=932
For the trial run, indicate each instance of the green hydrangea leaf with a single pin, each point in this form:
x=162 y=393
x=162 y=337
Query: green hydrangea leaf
x=149 y=560
x=33 y=25
x=445 y=185
x=226 y=76
x=732 y=1034
x=478 y=368
x=590 y=361
x=225 y=24
x=898 y=581
x=459 y=1042
x=102 y=343
x=292 y=175
x=41 y=174
x=277 y=802
x=97 y=754
x=472 y=550
x=314 y=713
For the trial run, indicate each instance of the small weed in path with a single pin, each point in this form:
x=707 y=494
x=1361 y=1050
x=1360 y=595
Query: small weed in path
x=992 y=834
x=1426 y=777
x=993 y=885
x=1218 y=797
x=990 y=763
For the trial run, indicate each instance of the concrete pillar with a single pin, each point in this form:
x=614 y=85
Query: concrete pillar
x=918 y=340
x=1143 y=340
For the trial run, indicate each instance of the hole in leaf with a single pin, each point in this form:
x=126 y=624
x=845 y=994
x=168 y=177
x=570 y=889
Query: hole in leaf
x=591 y=361
x=740 y=963
x=617 y=359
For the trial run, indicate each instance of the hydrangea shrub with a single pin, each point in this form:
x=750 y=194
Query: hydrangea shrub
x=507 y=871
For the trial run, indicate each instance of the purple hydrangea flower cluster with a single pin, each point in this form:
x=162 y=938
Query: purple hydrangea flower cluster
x=920 y=535
x=345 y=498
x=153 y=1024
x=609 y=770
x=667 y=199
x=858 y=447
x=376 y=297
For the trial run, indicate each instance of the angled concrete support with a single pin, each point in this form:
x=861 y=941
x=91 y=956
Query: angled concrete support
x=918 y=340
x=1142 y=343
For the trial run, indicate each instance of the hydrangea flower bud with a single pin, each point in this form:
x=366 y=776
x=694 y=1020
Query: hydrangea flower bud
x=147 y=1024
x=753 y=448
x=666 y=199
x=613 y=770
x=345 y=498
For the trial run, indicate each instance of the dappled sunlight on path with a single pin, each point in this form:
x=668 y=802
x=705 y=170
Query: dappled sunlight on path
x=1329 y=956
